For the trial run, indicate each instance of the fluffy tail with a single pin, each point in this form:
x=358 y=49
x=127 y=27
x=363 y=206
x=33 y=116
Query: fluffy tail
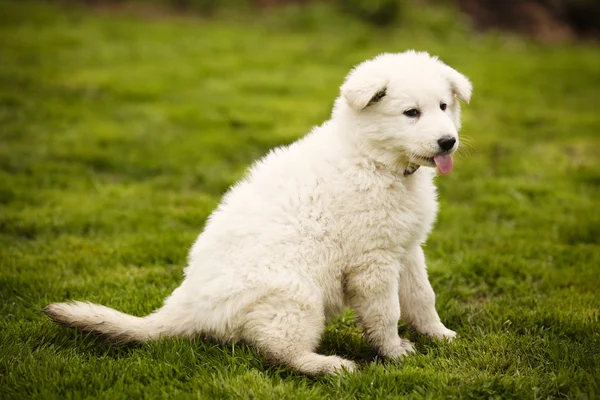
x=109 y=323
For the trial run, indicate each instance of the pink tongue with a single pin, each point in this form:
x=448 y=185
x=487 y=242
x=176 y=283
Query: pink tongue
x=444 y=163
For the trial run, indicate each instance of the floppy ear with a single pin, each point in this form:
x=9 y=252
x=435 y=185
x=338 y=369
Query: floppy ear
x=360 y=92
x=460 y=84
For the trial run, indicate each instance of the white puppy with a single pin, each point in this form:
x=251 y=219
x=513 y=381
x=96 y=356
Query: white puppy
x=336 y=219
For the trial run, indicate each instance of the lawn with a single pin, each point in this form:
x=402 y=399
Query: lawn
x=119 y=133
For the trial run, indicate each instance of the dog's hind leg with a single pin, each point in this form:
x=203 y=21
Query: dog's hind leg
x=287 y=332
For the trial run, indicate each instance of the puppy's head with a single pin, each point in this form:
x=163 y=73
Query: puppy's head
x=405 y=107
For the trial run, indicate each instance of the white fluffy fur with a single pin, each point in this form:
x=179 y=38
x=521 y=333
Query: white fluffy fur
x=326 y=223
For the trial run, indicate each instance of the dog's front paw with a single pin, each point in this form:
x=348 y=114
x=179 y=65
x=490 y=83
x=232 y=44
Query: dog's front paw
x=398 y=350
x=441 y=333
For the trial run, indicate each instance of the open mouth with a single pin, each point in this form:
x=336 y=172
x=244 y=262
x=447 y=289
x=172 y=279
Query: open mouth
x=428 y=160
x=443 y=162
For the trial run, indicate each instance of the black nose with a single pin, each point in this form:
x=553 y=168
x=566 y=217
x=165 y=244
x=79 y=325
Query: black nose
x=446 y=142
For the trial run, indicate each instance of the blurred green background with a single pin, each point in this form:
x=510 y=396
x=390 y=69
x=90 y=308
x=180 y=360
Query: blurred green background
x=123 y=123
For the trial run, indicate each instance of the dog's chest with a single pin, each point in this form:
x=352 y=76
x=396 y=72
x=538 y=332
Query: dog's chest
x=386 y=212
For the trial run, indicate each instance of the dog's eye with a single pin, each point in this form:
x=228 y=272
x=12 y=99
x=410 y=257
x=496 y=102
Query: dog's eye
x=443 y=106
x=412 y=113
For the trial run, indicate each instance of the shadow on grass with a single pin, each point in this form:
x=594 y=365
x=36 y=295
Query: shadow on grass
x=81 y=343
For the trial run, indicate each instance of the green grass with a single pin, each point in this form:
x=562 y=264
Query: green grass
x=119 y=135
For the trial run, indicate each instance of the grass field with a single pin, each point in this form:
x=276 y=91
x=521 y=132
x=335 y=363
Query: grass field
x=119 y=134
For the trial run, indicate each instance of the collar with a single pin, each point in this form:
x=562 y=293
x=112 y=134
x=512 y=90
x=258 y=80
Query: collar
x=411 y=169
